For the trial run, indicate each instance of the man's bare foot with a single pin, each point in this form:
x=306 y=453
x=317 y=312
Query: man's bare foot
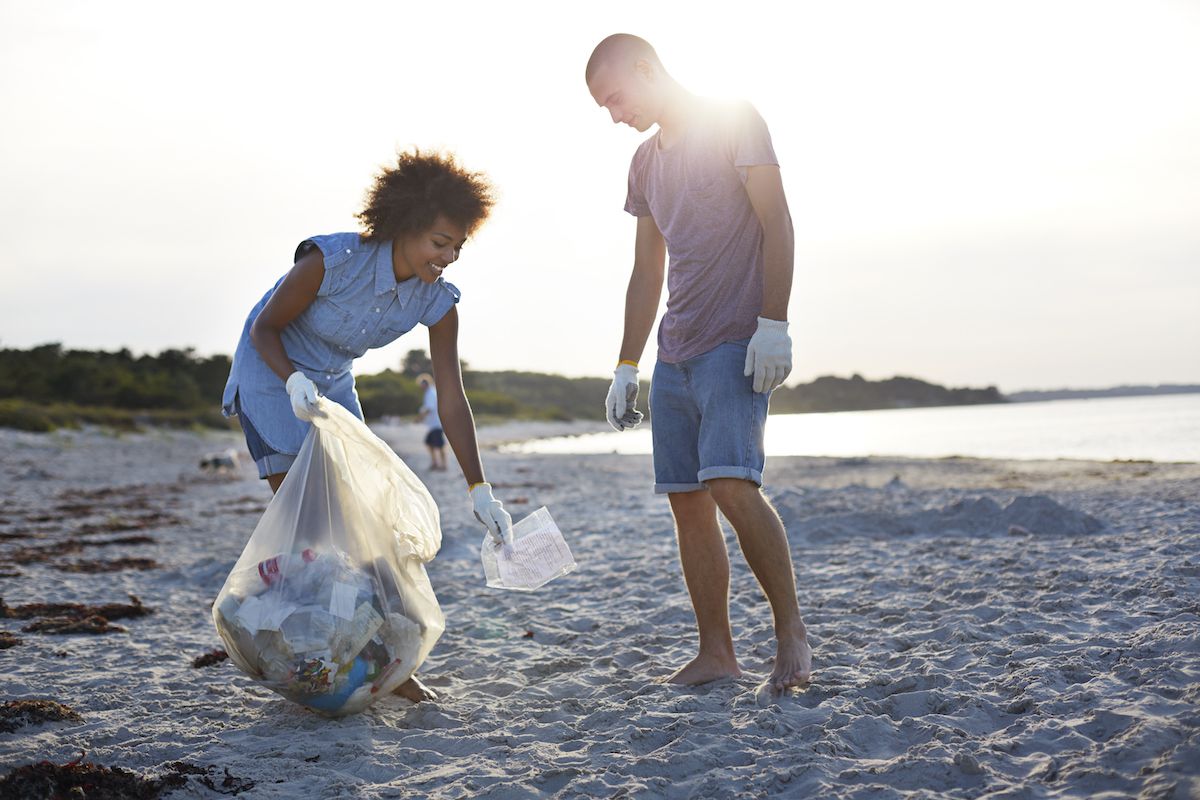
x=415 y=691
x=793 y=663
x=705 y=668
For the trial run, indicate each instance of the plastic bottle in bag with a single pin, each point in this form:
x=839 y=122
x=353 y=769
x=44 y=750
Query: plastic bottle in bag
x=273 y=569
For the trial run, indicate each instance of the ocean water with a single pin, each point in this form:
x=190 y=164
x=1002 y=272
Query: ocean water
x=1152 y=428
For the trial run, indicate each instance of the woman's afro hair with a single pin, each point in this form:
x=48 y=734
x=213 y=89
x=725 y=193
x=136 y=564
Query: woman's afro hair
x=406 y=198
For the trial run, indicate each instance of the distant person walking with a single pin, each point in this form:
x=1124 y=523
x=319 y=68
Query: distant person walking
x=434 y=440
x=706 y=188
x=349 y=292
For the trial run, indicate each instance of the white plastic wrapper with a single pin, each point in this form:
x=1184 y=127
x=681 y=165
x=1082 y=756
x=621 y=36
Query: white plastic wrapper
x=329 y=603
x=538 y=555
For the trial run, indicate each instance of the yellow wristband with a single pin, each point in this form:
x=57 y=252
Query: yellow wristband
x=627 y=361
x=471 y=487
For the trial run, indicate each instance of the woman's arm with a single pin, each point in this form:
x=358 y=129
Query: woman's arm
x=294 y=294
x=455 y=412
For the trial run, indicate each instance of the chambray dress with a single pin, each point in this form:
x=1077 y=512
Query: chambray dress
x=360 y=305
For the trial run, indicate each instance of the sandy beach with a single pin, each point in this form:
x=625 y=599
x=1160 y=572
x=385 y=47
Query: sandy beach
x=1000 y=629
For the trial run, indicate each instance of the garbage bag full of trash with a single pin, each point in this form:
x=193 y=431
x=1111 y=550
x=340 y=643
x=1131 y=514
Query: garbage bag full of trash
x=329 y=604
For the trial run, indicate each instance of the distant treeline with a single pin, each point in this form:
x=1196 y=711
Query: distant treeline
x=1115 y=391
x=858 y=394
x=47 y=387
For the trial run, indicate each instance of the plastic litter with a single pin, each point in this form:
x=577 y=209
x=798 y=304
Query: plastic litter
x=537 y=555
x=329 y=604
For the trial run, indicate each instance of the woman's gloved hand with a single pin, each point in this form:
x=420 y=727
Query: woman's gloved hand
x=491 y=513
x=303 y=394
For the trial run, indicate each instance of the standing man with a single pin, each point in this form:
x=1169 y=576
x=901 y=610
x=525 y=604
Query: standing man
x=706 y=188
x=435 y=440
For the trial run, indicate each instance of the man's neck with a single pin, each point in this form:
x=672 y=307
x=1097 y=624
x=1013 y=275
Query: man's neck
x=677 y=114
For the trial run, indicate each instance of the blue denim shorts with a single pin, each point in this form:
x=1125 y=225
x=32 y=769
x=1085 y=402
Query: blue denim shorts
x=706 y=420
x=268 y=461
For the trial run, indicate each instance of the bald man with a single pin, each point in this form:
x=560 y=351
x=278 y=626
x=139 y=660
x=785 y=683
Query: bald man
x=706 y=189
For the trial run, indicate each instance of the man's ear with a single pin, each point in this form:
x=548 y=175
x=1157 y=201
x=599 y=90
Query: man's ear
x=646 y=69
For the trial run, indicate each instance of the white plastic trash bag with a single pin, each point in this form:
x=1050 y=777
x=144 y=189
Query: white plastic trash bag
x=538 y=555
x=329 y=604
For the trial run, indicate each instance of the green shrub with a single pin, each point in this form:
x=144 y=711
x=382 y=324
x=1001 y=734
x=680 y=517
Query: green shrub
x=492 y=403
x=388 y=394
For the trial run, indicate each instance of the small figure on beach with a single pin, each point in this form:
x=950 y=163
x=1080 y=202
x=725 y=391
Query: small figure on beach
x=225 y=463
x=706 y=188
x=349 y=292
x=435 y=440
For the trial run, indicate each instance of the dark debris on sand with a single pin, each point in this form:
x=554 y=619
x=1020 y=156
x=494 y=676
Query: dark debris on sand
x=79 y=778
x=107 y=610
x=114 y=565
x=42 y=553
x=74 y=617
x=19 y=713
x=117 y=524
x=60 y=625
x=209 y=659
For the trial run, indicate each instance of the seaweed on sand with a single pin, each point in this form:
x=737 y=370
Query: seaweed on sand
x=74 y=617
x=19 y=713
x=209 y=659
x=81 y=778
x=93 y=624
x=41 y=553
x=115 y=565
x=106 y=610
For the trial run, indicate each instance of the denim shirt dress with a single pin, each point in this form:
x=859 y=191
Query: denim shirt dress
x=359 y=305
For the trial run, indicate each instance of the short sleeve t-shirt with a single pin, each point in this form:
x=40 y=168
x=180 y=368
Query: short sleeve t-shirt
x=695 y=191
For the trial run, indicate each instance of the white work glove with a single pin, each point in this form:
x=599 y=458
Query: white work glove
x=622 y=397
x=769 y=354
x=491 y=513
x=303 y=394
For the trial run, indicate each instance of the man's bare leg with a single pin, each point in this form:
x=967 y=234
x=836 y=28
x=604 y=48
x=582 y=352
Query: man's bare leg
x=764 y=542
x=706 y=571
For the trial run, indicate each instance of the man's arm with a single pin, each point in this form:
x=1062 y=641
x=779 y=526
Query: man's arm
x=764 y=185
x=645 y=288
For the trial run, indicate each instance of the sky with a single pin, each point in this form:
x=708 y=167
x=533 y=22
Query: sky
x=984 y=193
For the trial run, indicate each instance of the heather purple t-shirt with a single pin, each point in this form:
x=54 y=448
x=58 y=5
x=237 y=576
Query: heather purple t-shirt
x=695 y=191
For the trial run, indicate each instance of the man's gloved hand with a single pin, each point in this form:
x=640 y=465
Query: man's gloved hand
x=491 y=513
x=769 y=354
x=622 y=397
x=303 y=393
